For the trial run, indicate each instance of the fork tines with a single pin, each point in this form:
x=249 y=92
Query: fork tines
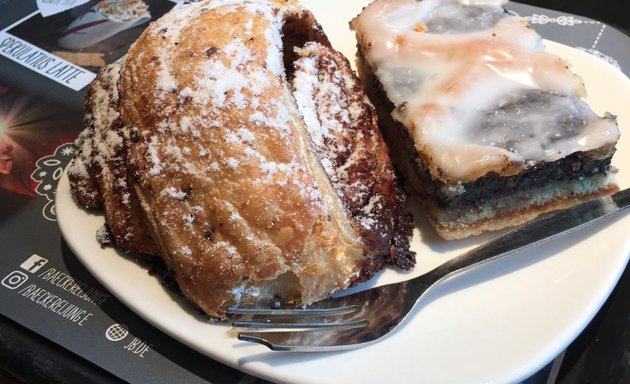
x=307 y=317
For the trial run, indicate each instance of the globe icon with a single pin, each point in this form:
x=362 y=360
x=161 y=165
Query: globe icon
x=116 y=332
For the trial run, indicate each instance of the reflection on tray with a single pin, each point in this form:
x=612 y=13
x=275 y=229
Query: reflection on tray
x=94 y=34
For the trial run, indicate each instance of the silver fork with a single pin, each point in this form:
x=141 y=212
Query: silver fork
x=359 y=319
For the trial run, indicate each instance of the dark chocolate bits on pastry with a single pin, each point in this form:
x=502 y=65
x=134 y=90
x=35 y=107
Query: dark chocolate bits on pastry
x=254 y=169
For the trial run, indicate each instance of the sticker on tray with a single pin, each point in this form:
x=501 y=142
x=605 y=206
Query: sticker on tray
x=51 y=7
x=102 y=21
x=14 y=280
x=36 y=59
x=58 y=293
x=36 y=134
x=72 y=45
x=118 y=332
x=34 y=263
x=47 y=173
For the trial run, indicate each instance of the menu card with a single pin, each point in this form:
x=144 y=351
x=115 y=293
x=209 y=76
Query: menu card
x=49 y=52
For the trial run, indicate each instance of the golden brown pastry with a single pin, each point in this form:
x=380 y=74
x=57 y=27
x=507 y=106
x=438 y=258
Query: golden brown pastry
x=254 y=155
x=488 y=129
x=98 y=173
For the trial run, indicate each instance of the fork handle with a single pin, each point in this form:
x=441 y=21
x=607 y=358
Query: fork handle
x=533 y=233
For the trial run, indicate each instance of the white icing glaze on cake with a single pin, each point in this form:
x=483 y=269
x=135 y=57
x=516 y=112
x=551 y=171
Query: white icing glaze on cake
x=474 y=87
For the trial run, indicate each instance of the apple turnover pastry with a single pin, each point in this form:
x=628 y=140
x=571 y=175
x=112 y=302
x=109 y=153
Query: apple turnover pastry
x=488 y=129
x=235 y=144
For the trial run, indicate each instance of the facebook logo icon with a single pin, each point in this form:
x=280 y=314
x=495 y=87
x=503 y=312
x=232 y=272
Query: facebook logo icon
x=33 y=263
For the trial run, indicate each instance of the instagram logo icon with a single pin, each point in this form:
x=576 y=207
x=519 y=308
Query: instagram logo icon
x=14 y=279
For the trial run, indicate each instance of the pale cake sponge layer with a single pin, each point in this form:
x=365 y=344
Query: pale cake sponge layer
x=519 y=207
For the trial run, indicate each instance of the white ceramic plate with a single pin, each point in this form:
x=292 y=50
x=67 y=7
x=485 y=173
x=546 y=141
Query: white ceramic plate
x=498 y=324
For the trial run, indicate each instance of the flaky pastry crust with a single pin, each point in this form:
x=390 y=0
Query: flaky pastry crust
x=241 y=201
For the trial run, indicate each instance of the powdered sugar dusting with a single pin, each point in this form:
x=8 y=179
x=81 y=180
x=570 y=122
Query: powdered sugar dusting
x=243 y=290
x=329 y=111
x=232 y=163
x=174 y=193
x=246 y=135
x=305 y=85
x=176 y=20
x=367 y=220
x=221 y=168
x=154 y=156
x=320 y=98
x=99 y=144
x=274 y=49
